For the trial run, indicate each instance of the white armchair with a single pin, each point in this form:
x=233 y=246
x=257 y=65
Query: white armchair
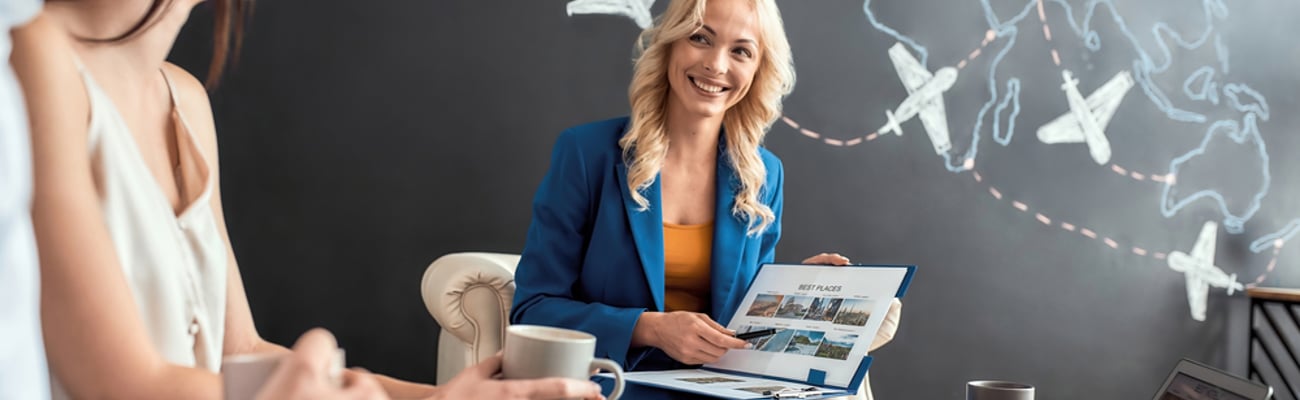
x=470 y=295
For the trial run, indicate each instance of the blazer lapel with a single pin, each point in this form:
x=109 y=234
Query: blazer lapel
x=728 y=241
x=647 y=233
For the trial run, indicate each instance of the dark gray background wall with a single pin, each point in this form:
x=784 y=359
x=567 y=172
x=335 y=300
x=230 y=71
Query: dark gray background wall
x=362 y=140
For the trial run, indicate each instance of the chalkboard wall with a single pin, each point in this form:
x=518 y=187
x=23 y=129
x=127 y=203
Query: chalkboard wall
x=362 y=140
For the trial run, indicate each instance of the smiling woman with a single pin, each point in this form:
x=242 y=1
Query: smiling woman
x=615 y=246
x=703 y=59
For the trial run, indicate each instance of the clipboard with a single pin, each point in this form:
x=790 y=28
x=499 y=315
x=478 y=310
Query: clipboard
x=826 y=318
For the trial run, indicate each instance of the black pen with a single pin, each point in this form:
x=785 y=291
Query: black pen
x=756 y=334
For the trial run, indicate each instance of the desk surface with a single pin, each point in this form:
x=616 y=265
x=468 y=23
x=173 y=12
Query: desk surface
x=1276 y=294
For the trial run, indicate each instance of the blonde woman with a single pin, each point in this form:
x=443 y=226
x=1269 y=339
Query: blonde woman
x=141 y=296
x=647 y=230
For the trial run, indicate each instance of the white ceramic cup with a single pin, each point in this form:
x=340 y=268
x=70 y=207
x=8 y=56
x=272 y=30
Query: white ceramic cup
x=533 y=352
x=998 y=390
x=244 y=375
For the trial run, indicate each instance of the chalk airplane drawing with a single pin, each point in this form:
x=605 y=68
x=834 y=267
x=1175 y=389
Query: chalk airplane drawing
x=1087 y=119
x=1200 y=271
x=637 y=10
x=924 y=98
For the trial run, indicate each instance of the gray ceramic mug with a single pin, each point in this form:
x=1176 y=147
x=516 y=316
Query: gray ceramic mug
x=998 y=390
x=533 y=352
x=244 y=375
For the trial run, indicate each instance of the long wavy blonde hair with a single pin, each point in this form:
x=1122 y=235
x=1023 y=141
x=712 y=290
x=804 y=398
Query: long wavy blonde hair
x=645 y=145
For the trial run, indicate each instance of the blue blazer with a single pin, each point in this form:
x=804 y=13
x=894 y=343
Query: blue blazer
x=594 y=261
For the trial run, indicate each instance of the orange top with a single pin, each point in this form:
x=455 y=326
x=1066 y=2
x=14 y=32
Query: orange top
x=688 y=250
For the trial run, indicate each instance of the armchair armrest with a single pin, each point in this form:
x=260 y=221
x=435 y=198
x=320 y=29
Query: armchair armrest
x=470 y=295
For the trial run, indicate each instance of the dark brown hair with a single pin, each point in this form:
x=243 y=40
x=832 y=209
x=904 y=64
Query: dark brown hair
x=227 y=34
x=227 y=31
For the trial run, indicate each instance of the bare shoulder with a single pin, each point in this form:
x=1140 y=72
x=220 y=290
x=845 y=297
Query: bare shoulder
x=45 y=63
x=42 y=40
x=195 y=108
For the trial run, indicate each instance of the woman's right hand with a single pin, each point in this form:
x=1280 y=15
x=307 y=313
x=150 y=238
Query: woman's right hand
x=688 y=337
x=304 y=374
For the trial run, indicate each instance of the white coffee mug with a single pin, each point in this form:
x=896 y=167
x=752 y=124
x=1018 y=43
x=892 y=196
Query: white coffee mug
x=533 y=352
x=244 y=375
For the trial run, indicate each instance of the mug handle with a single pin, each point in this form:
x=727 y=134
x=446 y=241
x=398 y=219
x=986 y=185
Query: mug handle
x=610 y=365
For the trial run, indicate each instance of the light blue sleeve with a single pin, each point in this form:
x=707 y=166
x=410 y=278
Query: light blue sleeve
x=17 y=12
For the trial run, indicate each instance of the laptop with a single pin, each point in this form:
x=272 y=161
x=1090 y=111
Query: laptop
x=1191 y=380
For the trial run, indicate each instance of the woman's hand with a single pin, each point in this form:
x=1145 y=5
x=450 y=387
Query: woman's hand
x=304 y=374
x=688 y=337
x=827 y=259
x=890 y=325
x=476 y=383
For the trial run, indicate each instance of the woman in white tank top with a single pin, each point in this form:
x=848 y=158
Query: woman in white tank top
x=141 y=295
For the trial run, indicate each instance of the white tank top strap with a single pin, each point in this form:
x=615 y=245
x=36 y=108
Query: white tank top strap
x=81 y=67
x=188 y=146
x=171 y=89
x=95 y=97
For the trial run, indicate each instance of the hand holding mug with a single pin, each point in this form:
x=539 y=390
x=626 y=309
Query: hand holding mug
x=542 y=362
x=476 y=383
x=313 y=370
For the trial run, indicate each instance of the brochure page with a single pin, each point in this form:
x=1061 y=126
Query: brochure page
x=824 y=319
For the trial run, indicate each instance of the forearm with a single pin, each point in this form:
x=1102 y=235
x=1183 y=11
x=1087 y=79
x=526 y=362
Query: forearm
x=398 y=389
x=254 y=345
x=167 y=382
x=643 y=333
x=178 y=382
x=395 y=388
x=262 y=346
